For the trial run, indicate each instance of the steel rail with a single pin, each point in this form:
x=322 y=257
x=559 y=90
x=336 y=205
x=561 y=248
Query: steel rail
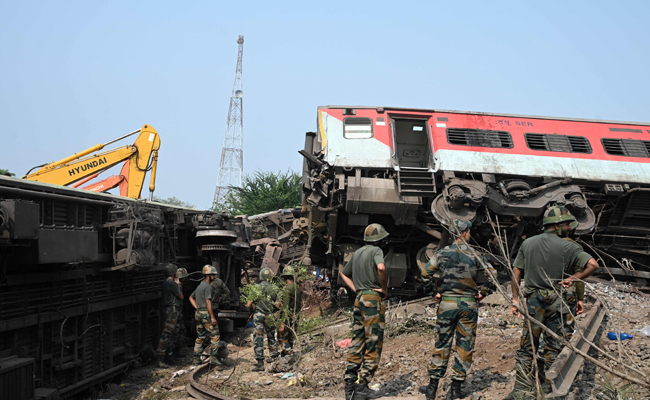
x=567 y=364
x=202 y=392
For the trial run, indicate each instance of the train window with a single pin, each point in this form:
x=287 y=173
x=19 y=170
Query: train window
x=357 y=128
x=479 y=138
x=627 y=147
x=563 y=143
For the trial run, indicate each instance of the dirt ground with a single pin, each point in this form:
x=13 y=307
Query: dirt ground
x=406 y=353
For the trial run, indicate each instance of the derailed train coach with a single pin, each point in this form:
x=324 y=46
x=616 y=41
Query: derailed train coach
x=80 y=281
x=415 y=170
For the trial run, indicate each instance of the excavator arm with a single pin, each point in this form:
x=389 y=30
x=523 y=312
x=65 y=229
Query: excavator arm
x=82 y=165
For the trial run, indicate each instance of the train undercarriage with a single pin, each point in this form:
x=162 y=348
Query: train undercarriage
x=80 y=279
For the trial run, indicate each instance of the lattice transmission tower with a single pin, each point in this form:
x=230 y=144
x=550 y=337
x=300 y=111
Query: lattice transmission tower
x=232 y=155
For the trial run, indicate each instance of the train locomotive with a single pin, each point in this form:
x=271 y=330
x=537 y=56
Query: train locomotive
x=415 y=170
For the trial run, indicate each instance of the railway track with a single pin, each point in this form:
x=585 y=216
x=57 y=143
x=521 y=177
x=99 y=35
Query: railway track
x=565 y=368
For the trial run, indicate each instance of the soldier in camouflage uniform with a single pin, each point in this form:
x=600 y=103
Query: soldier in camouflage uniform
x=544 y=261
x=180 y=332
x=220 y=294
x=264 y=307
x=207 y=328
x=220 y=298
x=172 y=300
x=291 y=300
x=366 y=275
x=458 y=266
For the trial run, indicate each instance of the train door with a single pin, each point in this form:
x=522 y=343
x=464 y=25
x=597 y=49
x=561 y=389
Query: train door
x=412 y=155
x=411 y=143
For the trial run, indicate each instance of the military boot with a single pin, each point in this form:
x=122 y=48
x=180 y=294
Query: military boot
x=350 y=389
x=259 y=367
x=160 y=362
x=214 y=363
x=430 y=390
x=169 y=359
x=363 y=392
x=455 y=390
x=196 y=360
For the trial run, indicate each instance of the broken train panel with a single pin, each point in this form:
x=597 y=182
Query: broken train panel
x=415 y=170
x=81 y=272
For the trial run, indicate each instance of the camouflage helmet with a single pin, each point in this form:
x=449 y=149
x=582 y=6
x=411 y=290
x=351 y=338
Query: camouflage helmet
x=288 y=271
x=170 y=269
x=374 y=233
x=461 y=226
x=181 y=273
x=573 y=225
x=557 y=215
x=266 y=274
x=209 y=270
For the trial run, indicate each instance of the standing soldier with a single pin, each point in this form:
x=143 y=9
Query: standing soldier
x=544 y=260
x=206 y=322
x=458 y=266
x=172 y=297
x=291 y=299
x=180 y=333
x=365 y=274
x=220 y=297
x=573 y=297
x=263 y=308
x=220 y=294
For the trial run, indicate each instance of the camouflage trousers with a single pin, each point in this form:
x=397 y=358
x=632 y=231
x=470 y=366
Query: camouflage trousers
x=568 y=320
x=206 y=333
x=180 y=332
x=455 y=318
x=286 y=336
x=368 y=326
x=571 y=299
x=549 y=310
x=166 y=337
x=261 y=325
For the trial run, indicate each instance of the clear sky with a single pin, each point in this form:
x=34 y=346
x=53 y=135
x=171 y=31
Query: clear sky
x=77 y=73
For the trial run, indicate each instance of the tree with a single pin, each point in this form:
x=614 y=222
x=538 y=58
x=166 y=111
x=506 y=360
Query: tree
x=6 y=172
x=263 y=192
x=174 y=201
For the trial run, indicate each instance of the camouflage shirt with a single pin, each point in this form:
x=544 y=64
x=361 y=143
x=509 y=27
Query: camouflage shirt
x=266 y=303
x=457 y=266
x=291 y=297
x=220 y=292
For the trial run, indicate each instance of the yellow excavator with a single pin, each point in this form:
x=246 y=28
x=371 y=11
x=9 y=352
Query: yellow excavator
x=79 y=168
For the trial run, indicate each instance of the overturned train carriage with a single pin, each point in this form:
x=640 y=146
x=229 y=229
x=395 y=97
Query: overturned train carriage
x=80 y=280
x=416 y=170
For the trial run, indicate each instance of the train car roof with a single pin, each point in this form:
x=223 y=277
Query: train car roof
x=34 y=186
x=425 y=110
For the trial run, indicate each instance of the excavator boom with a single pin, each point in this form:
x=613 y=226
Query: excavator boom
x=139 y=158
